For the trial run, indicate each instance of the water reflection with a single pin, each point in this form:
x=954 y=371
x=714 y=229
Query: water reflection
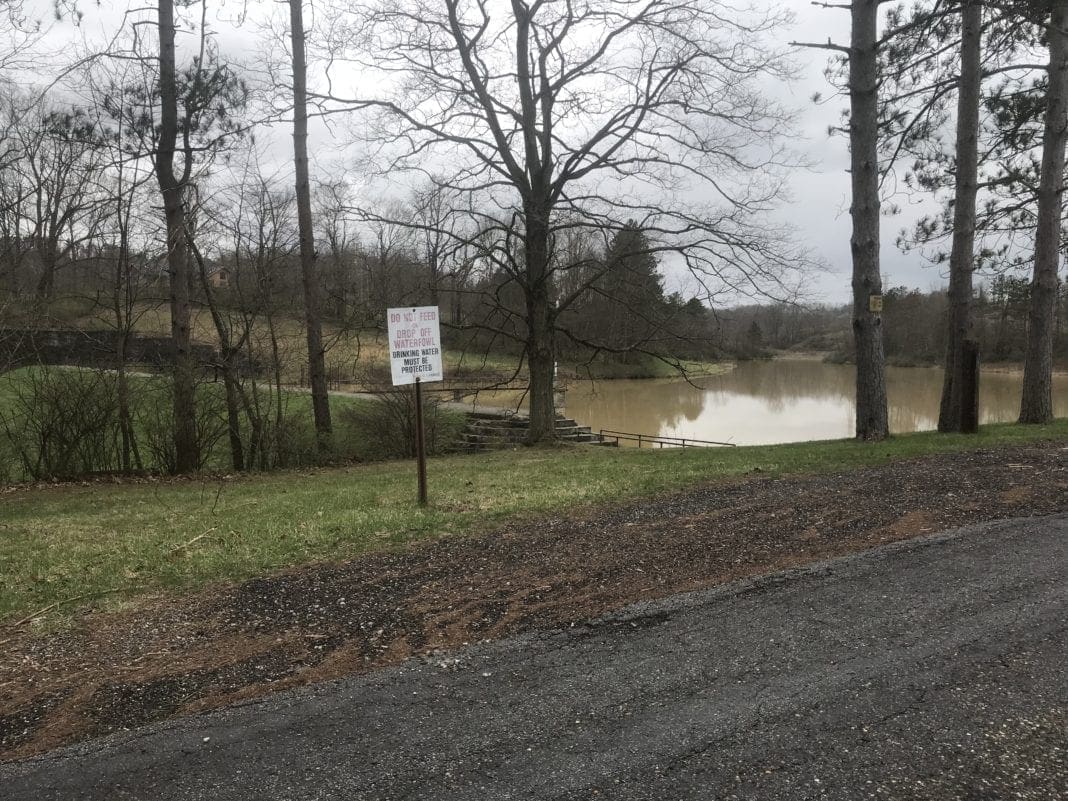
x=658 y=405
x=781 y=401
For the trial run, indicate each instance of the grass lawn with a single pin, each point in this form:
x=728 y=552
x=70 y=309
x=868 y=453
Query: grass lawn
x=105 y=543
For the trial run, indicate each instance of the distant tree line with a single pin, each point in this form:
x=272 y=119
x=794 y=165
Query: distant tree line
x=914 y=331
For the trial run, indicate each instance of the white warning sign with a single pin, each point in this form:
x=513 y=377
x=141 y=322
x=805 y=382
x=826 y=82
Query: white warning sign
x=414 y=345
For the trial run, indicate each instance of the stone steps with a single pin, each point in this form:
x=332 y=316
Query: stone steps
x=487 y=431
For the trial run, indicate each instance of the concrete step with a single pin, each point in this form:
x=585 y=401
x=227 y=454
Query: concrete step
x=486 y=430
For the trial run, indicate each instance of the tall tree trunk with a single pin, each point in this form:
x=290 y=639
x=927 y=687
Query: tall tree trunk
x=230 y=354
x=1036 y=406
x=185 y=435
x=48 y=251
x=280 y=454
x=541 y=362
x=233 y=409
x=433 y=268
x=456 y=286
x=131 y=456
x=254 y=413
x=863 y=142
x=122 y=398
x=123 y=298
x=309 y=269
x=541 y=340
x=962 y=253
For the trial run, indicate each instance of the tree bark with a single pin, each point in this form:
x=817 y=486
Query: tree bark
x=122 y=398
x=863 y=140
x=308 y=266
x=541 y=340
x=230 y=353
x=48 y=251
x=233 y=410
x=185 y=436
x=1036 y=405
x=962 y=253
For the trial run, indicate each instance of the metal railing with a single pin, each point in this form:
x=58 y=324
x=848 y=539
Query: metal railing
x=662 y=442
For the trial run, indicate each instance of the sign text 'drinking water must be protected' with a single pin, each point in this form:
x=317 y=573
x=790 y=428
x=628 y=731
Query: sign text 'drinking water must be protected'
x=414 y=344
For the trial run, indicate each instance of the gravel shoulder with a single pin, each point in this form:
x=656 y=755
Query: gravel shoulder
x=169 y=657
x=924 y=669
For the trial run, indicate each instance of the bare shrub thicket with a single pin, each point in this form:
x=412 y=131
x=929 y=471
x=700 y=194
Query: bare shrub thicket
x=154 y=420
x=61 y=423
x=386 y=427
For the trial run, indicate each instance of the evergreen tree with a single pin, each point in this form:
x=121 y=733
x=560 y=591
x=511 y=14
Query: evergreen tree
x=632 y=288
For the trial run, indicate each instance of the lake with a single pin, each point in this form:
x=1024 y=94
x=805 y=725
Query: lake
x=781 y=401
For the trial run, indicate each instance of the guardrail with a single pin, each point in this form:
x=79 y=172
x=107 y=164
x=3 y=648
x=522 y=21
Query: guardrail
x=662 y=442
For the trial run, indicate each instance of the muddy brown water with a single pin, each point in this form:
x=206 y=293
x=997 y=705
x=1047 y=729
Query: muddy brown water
x=781 y=401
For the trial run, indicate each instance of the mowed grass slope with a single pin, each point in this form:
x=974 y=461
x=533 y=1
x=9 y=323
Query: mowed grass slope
x=105 y=543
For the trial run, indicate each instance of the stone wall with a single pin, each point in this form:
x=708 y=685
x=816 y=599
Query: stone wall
x=24 y=347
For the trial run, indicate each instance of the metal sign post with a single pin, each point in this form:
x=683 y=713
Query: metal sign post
x=420 y=442
x=414 y=358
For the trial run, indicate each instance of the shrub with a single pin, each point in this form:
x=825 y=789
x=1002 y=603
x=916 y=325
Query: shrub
x=385 y=428
x=286 y=442
x=61 y=422
x=154 y=420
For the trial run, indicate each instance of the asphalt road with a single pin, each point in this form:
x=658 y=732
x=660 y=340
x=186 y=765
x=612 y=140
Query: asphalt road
x=934 y=670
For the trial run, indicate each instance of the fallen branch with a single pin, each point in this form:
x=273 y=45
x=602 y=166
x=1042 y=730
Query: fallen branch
x=54 y=605
x=185 y=545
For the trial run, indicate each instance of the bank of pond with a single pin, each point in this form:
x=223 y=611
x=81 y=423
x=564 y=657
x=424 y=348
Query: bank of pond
x=783 y=400
x=64 y=422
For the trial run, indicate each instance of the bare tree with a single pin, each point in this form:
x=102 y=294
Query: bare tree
x=309 y=270
x=173 y=186
x=48 y=186
x=592 y=113
x=125 y=230
x=437 y=219
x=21 y=41
x=199 y=103
x=337 y=231
x=252 y=222
x=390 y=250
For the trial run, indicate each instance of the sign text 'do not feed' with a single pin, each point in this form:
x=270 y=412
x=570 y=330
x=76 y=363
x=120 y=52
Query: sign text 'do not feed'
x=414 y=344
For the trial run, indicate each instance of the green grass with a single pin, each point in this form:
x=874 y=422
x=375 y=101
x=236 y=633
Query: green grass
x=110 y=542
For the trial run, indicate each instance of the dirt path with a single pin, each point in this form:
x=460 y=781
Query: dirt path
x=169 y=657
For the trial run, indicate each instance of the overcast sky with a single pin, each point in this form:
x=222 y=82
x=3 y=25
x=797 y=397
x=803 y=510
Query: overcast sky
x=819 y=207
